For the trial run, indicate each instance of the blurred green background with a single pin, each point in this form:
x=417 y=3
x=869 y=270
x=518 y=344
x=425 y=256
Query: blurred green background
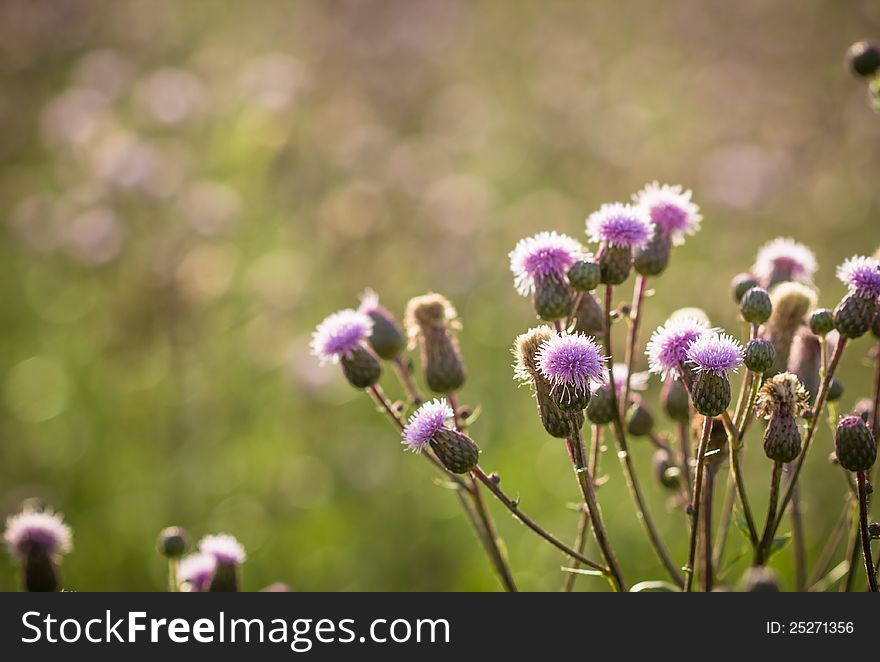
x=188 y=188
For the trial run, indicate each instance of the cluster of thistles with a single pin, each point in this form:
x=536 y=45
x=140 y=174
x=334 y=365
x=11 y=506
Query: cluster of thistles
x=783 y=366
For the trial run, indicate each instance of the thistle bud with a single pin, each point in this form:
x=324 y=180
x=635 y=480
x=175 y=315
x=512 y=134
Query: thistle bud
x=665 y=471
x=172 y=542
x=822 y=321
x=741 y=284
x=639 y=421
x=854 y=315
x=429 y=320
x=552 y=298
x=760 y=579
x=557 y=423
x=387 y=338
x=863 y=59
x=782 y=438
x=361 y=367
x=38 y=539
x=601 y=408
x=759 y=355
x=805 y=360
x=584 y=276
x=228 y=555
x=652 y=258
x=854 y=444
x=864 y=408
x=755 y=305
x=615 y=263
x=835 y=390
x=458 y=452
x=675 y=401
x=589 y=316
x=711 y=394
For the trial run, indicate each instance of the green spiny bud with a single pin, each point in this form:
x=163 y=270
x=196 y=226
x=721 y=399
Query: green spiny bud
x=782 y=438
x=711 y=394
x=835 y=390
x=863 y=59
x=675 y=400
x=615 y=263
x=822 y=321
x=665 y=471
x=584 y=276
x=854 y=444
x=556 y=422
x=429 y=320
x=652 y=258
x=741 y=284
x=552 y=298
x=361 y=367
x=601 y=408
x=755 y=305
x=455 y=450
x=173 y=542
x=854 y=315
x=639 y=421
x=589 y=316
x=759 y=355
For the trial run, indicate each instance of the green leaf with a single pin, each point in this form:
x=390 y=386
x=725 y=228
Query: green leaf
x=655 y=587
x=779 y=543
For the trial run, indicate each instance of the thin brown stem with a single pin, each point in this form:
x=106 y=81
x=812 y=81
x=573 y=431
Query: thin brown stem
x=852 y=552
x=404 y=375
x=632 y=482
x=633 y=339
x=861 y=481
x=494 y=544
x=513 y=507
x=763 y=550
x=709 y=490
x=684 y=443
x=695 y=504
x=588 y=492
x=580 y=543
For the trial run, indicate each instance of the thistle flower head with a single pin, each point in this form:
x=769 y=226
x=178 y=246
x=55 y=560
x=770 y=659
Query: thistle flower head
x=861 y=275
x=37 y=530
x=782 y=392
x=571 y=360
x=617 y=224
x=784 y=259
x=715 y=353
x=668 y=346
x=525 y=352
x=541 y=255
x=670 y=209
x=339 y=334
x=425 y=423
x=223 y=548
x=429 y=311
x=791 y=302
x=195 y=572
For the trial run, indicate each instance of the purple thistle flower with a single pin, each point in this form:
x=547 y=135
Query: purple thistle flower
x=715 y=353
x=37 y=530
x=861 y=275
x=667 y=349
x=637 y=382
x=426 y=422
x=223 y=548
x=670 y=209
x=617 y=224
x=339 y=334
x=541 y=255
x=571 y=360
x=195 y=572
x=784 y=256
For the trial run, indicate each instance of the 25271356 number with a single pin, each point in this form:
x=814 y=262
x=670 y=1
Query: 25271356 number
x=820 y=627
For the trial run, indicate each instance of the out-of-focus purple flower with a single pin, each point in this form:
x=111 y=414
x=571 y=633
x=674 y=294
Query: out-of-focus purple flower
x=541 y=255
x=670 y=209
x=35 y=530
x=571 y=360
x=784 y=259
x=617 y=224
x=637 y=382
x=195 y=572
x=861 y=275
x=715 y=353
x=340 y=334
x=426 y=422
x=223 y=548
x=668 y=346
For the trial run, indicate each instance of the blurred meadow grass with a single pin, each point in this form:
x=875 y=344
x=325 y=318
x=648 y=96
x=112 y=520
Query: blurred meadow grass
x=188 y=188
